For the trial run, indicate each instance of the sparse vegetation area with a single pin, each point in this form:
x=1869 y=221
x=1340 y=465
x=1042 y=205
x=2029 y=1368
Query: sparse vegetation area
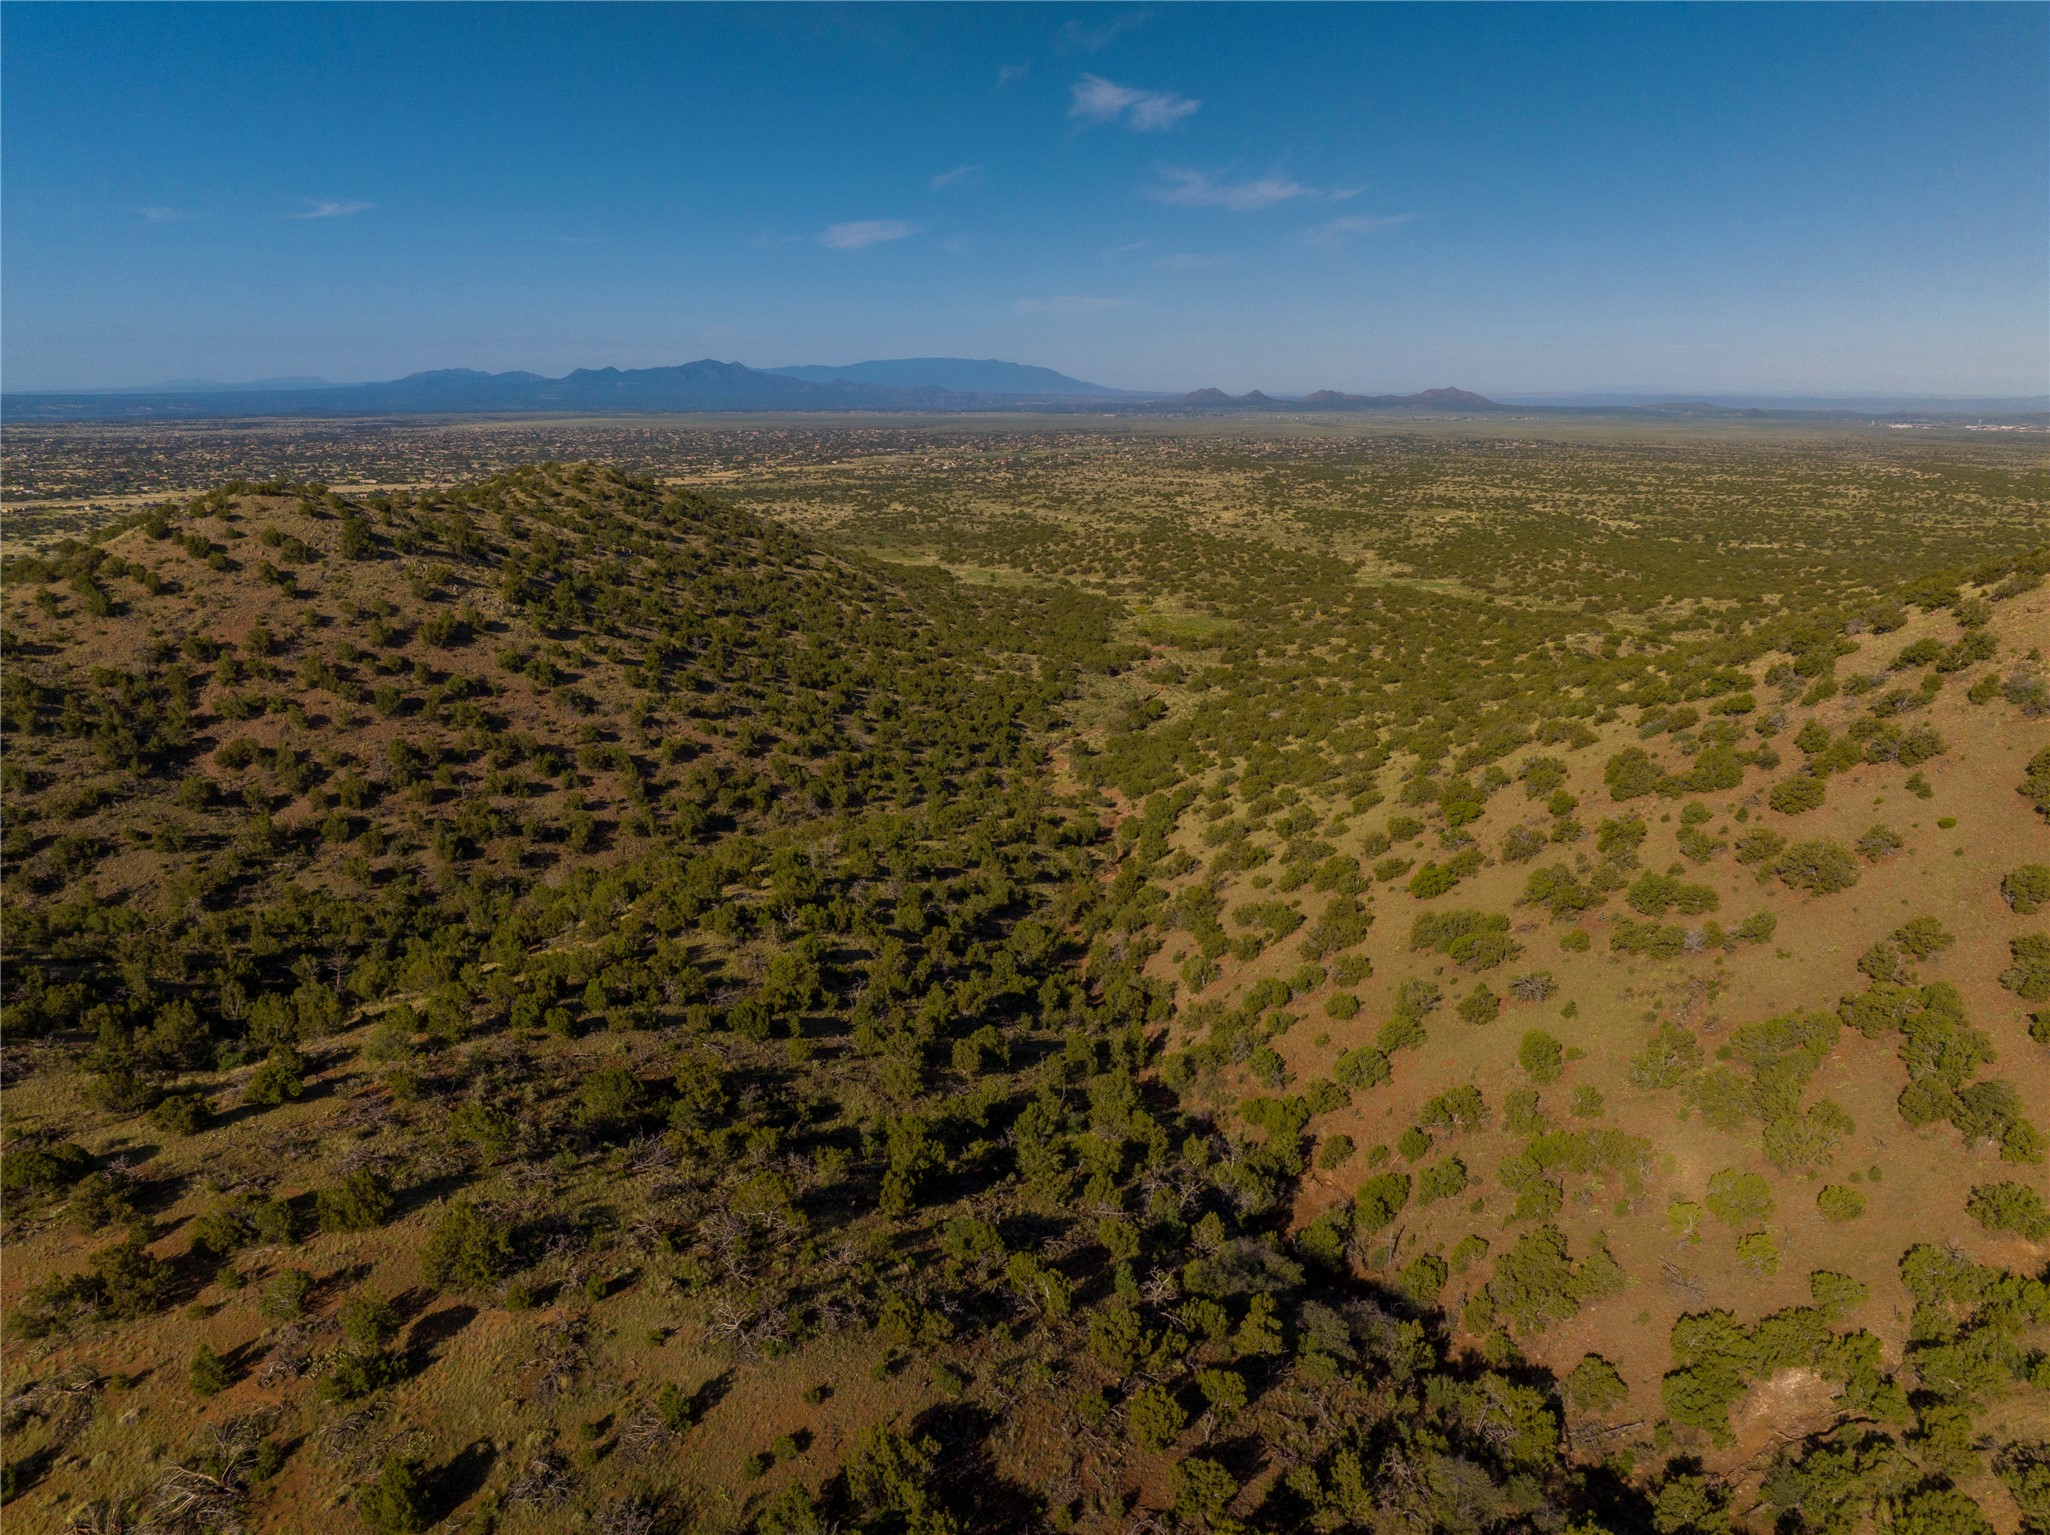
x=990 y=978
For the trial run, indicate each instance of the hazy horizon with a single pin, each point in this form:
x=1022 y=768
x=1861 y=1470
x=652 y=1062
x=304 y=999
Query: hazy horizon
x=1593 y=396
x=1769 y=201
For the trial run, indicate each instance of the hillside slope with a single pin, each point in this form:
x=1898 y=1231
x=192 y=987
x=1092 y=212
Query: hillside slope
x=557 y=999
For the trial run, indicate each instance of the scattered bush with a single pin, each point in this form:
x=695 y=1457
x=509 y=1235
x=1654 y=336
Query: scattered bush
x=1441 y=1180
x=1594 y=1385
x=2029 y=976
x=1480 y=1005
x=2027 y=889
x=209 y=1373
x=467 y=1249
x=1840 y=1202
x=1797 y=795
x=1155 y=1418
x=397 y=1503
x=1541 y=1056
x=1759 y=1253
x=361 y=1201
x=1536 y=1282
x=280 y=1079
x=2010 y=1206
x=1820 y=867
x=1923 y=938
x=1380 y=1200
x=1737 y=1198
x=1668 y=1059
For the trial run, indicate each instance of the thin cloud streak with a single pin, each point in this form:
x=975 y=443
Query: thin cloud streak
x=1338 y=233
x=1097 y=100
x=862 y=233
x=959 y=176
x=1198 y=189
x=1069 y=304
x=1097 y=38
x=331 y=208
x=162 y=215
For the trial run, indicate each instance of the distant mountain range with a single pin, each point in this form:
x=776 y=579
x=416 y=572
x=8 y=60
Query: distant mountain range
x=693 y=386
x=903 y=384
x=1438 y=401
x=949 y=384
x=959 y=374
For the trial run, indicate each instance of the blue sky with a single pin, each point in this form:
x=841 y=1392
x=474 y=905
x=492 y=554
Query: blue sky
x=1781 y=198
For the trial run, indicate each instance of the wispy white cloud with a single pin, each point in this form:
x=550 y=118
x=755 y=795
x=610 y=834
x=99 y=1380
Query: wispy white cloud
x=959 y=176
x=1097 y=100
x=862 y=233
x=1069 y=304
x=162 y=215
x=330 y=208
x=1094 y=39
x=1199 y=189
x=1189 y=261
x=1338 y=233
x=1006 y=73
x=1130 y=249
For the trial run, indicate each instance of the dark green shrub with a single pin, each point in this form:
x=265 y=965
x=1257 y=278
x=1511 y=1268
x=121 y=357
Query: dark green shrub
x=1334 y=1151
x=2027 y=889
x=100 y=1199
x=397 y=1503
x=676 y=1407
x=611 y=1102
x=1480 y=1005
x=1441 y=1180
x=2010 y=1206
x=1155 y=1418
x=1536 y=1282
x=490 y=1129
x=280 y=1079
x=1736 y=1198
x=1380 y=1200
x=1820 y=867
x=1540 y=1056
x=2029 y=976
x=467 y=1249
x=1631 y=774
x=28 y=1170
x=1797 y=795
x=1594 y=1385
x=182 y=1113
x=361 y=1201
x=1840 y=1202
x=209 y=1373
x=284 y=1298
x=1923 y=938
x=1760 y=846
x=1669 y=1058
